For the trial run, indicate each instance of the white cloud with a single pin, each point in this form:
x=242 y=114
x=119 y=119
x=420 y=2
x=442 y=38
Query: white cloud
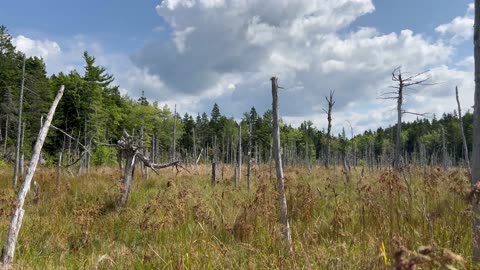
x=460 y=28
x=40 y=48
x=305 y=44
x=225 y=51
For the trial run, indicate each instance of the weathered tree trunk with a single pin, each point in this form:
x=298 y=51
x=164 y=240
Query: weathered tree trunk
x=329 y=127
x=195 y=149
x=444 y=150
x=19 y=128
x=127 y=178
x=464 y=140
x=282 y=198
x=398 y=138
x=249 y=155
x=174 y=134
x=5 y=140
x=18 y=212
x=22 y=154
x=214 y=162
x=476 y=136
x=239 y=160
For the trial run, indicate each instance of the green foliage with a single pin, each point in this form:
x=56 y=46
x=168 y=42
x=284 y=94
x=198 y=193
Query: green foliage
x=104 y=156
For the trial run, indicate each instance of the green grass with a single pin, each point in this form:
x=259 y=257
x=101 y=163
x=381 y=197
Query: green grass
x=182 y=222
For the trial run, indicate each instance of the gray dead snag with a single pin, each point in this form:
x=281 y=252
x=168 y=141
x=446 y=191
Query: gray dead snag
x=19 y=128
x=5 y=139
x=195 y=149
x=475 y=180
x=128 y=146
x=18 y=212
x=282 y=198
x=214 y=161
x=330 y=103
x=398 y=94
x=238 y=174
x=249 y=154
x=22 y=154
x=174 y=134
x=464 y=140
x=444 y=150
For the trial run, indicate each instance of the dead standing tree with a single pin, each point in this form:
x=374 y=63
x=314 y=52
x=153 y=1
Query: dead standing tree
x=330 y=103
x=130 y=149
x=282 y=198
x=18 y=211
x=462 y=130
x=403 y=84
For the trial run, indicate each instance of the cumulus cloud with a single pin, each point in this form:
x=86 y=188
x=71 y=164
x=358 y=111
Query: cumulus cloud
x=40 y=48
x=307 y=43
x=225 y=51
x=460 y=28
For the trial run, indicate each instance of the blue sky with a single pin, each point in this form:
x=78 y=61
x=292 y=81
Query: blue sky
x=196 y=52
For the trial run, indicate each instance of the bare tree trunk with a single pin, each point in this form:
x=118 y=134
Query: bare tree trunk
x=464 y=140
x=329 y=128
x=18 y=212
x=282 y=198
x=444 y=150
x=214 y=162
x=476 y=136
x=6 y=137
x=174 y=134
x=195 y=149
x=127 y=178
x=239 y=160
x=398 y=138
x=22 y=154
x=19 y=128
x=249 y=154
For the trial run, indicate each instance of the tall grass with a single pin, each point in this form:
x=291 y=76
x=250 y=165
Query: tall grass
x=182 y=222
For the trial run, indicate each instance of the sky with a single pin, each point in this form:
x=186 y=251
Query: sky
x=194 y=53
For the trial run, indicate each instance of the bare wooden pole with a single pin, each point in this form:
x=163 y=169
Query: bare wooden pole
x=282 y=198
x=18 y=212
x=464 y=140
x=19 y=127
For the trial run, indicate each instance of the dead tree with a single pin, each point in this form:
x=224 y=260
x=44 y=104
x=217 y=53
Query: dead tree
x=238 y=175
x=19 y=128
x=476 y=136
x=464 y=140
x=214 y=161
x=282 y=198
x=18 y=212
x=444 y=149
x=330 y=103
x=249 y=155
x=129 y=147
x=175 y=133
x=398 y=94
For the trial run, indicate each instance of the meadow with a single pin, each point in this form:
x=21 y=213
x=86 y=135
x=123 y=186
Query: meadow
x=363 y=220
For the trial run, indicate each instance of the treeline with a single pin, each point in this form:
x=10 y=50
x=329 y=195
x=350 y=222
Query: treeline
x=93 y=114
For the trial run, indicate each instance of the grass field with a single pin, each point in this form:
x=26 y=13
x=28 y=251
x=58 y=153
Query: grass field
x=182 y=222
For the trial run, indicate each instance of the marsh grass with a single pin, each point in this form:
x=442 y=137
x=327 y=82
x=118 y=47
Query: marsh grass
x=182 y=222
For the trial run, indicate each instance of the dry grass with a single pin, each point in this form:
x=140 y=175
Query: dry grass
x=182 y=222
